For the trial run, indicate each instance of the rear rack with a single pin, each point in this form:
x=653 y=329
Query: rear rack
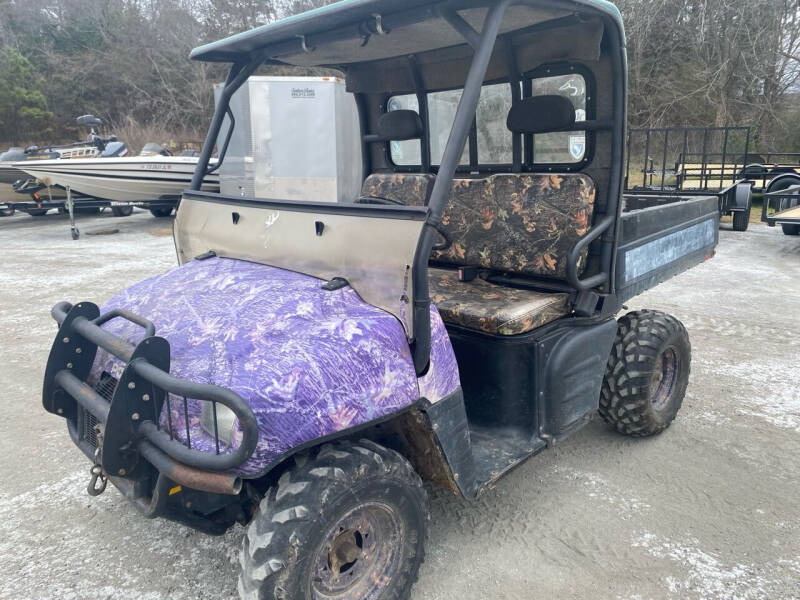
x=130 y=433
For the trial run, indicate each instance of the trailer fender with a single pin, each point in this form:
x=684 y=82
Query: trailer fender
x=741 y=197
x=782 y=182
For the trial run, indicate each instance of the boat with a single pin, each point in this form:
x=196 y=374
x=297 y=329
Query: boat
x=150 y=176
x=9 y=174
x=93 y=147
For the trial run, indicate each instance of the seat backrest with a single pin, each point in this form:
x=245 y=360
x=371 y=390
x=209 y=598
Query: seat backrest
x=525 y=224
x=411 y=189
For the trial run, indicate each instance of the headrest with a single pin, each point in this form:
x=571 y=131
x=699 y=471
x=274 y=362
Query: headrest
x=541 y=114
x=398 y=125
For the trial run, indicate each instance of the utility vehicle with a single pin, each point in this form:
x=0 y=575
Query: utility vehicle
x=316 y=362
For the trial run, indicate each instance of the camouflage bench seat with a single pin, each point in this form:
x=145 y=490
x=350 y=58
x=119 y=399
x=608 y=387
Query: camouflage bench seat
x=521 y=224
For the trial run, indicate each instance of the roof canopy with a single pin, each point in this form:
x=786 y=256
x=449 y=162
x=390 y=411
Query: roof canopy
x=362 y=31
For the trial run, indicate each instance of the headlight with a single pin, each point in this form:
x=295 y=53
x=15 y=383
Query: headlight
x=226 y=421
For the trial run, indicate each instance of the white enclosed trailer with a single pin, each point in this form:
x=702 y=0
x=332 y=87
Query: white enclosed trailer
x=296 y=138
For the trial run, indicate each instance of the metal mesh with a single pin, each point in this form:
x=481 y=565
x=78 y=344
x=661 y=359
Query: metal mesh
x=105 y=387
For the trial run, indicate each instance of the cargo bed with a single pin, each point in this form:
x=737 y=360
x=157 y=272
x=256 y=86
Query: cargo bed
x=662 y=236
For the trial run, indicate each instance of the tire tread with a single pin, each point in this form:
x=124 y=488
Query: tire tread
x=288 y=510
x=625 y=401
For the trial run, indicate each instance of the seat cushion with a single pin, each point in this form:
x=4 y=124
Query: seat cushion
x=491 y=308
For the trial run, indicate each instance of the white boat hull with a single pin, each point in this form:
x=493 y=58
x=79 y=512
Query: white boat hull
x=127 y=179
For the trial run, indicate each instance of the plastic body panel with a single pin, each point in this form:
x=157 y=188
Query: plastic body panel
x=574 y=363
x=520 y=394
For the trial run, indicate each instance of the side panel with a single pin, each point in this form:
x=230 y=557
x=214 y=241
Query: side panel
x=371 y=247
x=574 y=365
x=663 y=240
x=451 y=429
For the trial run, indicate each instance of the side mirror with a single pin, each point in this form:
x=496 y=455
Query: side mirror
x=89 y=121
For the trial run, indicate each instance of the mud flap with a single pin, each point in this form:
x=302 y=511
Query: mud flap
x=573 y=374
x=448 y=419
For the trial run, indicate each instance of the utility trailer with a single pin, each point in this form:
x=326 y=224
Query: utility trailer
x=693 y=161
x=457 y=316
x=295 y=140
x=782 y=208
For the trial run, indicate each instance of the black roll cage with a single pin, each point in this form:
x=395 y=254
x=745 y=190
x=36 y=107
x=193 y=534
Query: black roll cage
x=482 y=43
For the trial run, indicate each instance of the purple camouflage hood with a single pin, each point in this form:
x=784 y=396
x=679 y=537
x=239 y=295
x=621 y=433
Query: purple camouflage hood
x=310 y=362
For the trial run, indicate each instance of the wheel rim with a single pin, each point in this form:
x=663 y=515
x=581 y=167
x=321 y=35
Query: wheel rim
x=665 y=377
x=360 y=555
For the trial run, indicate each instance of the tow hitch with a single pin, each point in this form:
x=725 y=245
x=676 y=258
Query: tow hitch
x=96 y=472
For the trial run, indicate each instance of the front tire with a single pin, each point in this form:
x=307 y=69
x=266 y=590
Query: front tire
x=347 y=522
x=647 y=373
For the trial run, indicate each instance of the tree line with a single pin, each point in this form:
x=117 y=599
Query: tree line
x=692 y=62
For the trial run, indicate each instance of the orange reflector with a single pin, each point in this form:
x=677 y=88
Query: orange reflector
x=175 y=490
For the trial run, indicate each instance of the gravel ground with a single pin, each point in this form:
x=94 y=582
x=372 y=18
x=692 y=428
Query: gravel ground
x=708 y=510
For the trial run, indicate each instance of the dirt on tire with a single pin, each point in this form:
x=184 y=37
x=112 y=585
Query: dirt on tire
x=280 y=545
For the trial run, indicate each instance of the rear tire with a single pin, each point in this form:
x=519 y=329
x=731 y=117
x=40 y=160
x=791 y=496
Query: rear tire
x=647 y=373
x=346 y=522
x=741 y=220
x=122 y=211
x=161 y=212
x=790 y=229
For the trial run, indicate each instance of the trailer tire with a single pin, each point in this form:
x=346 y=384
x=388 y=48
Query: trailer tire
x=790 y=229
x=122 y=211
x=161 y=212
x=741 y=219
x=310 y=537
x=647 y=373
x=87 y=210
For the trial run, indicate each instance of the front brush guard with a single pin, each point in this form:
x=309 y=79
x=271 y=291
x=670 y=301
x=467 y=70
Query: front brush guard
x=132 y=435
